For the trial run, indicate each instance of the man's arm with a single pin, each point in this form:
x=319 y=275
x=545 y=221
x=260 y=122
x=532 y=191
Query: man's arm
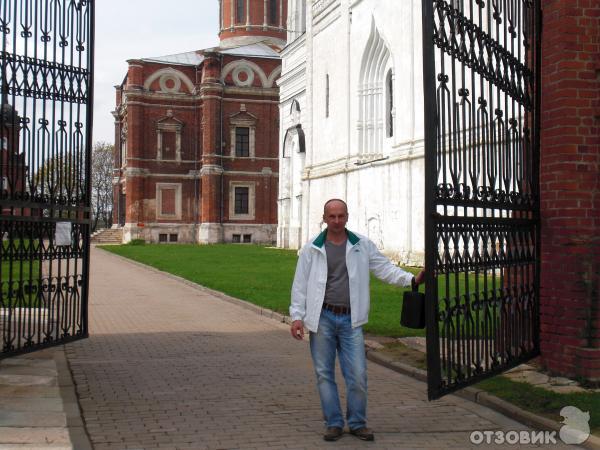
x=299 y=289
x=389 y=273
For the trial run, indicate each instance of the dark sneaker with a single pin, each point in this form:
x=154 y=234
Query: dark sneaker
x=333 y=433
x=365 y=434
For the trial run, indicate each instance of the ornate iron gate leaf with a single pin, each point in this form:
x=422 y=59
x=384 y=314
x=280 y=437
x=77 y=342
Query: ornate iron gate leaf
x=481 y=84
x=46 y=83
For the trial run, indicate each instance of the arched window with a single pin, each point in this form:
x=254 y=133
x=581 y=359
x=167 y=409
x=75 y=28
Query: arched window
x=389 y=95
x=239 y=11
x=327 y=95
x=375 y=110
x=273 y=12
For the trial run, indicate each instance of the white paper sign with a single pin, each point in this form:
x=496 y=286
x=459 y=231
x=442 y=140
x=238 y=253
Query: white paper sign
x=63 y=233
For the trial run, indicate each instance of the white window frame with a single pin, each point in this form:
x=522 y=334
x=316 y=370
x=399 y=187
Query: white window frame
x=161 y=128
x=251 y=185
x=251 y=125
x=159 y=188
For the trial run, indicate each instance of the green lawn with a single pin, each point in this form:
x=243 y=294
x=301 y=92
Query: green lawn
x=15 y=275
x=263 y=276
x=260 y=275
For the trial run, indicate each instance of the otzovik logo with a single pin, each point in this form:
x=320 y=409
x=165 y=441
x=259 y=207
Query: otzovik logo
x=576 y=428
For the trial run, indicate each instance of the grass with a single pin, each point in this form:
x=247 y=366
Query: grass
x=17 y=272
x=263 y=276
x=260 y=275
x=530 y=398
x=542 y=401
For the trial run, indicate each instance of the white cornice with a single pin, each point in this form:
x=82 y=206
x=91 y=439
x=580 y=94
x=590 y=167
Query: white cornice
x=271 y=92
x=242 y=172
x=245 y=100
x=162 y=105
x=405 y=152
x=294 y=45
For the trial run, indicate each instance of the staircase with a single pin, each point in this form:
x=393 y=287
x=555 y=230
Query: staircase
x=108 y=236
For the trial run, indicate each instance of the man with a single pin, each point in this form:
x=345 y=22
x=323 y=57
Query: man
x=330 y=297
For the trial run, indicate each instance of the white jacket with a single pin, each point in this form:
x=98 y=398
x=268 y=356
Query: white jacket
x=362 y=256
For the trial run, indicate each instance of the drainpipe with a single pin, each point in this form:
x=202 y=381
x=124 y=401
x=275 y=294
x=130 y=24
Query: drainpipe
x=221 y=147
x=196 y=179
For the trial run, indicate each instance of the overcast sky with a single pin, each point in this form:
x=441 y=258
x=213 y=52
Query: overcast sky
x=128 y=29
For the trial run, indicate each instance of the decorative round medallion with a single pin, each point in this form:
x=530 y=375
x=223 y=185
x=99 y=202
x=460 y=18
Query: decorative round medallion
x=243 y=76
x=169 y=83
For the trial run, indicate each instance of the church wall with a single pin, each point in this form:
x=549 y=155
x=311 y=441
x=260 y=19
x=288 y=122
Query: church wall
x=399 y=25
x=291 y=161
x=385 y=197
x=329 y=93
x=173 y=122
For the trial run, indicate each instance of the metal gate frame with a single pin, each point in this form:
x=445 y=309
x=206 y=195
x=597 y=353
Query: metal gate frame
x=46 y=93
x=481 y=188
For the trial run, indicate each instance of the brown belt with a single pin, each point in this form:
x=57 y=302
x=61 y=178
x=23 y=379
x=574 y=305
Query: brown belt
x=336 y=309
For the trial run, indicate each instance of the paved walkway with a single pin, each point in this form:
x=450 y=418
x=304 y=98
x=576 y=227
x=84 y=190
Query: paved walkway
x=168 y=365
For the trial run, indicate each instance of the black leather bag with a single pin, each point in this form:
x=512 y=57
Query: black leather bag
x=413 y=308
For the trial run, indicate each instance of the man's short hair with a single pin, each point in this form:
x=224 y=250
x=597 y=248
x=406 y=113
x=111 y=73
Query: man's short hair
x=334 y=200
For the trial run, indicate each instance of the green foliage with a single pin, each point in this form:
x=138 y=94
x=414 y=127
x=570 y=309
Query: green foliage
x=137 y=242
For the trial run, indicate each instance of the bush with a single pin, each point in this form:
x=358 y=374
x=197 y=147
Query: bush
x=137 y=242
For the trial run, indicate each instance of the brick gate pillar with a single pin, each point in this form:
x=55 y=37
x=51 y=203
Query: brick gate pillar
x=570 y=188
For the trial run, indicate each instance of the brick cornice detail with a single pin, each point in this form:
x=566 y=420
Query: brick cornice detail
x=272 y=92
x=136 y=172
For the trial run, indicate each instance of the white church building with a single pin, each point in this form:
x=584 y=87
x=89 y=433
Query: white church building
x=351 y=121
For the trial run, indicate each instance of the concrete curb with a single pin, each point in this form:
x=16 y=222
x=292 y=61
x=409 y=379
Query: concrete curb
x=77 y=431
x=470 y=393
x=483 y=398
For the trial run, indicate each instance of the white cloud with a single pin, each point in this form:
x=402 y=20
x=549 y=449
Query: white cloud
x=130 y=29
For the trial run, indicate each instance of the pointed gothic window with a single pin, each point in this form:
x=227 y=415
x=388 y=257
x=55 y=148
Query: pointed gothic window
x=273 y=12
x=239 y=11
x=327 y=95
x=375 y=97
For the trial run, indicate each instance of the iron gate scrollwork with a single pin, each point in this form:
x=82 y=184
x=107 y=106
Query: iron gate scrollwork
x=481 y=85
x=46 y=82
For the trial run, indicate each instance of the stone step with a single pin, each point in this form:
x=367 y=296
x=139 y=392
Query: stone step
x=108 y=236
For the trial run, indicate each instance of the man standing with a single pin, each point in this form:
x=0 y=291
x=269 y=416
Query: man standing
x=330 y=297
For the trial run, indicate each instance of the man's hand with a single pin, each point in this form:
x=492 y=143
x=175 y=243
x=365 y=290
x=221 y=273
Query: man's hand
x=297 y=330
x=420 y=277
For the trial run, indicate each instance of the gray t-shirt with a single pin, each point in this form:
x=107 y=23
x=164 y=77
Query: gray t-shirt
x=337 y=290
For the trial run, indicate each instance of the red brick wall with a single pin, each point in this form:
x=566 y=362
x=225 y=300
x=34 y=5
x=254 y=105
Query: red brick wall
x=257 y=15
x=204 y=113
x=570 y=188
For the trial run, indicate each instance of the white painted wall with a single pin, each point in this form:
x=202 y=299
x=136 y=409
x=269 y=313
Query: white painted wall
x=385 y=196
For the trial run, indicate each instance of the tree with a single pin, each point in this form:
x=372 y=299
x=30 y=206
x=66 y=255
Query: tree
x=61 y=180
x=102 y=189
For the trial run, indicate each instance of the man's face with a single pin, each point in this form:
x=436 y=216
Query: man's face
x=335 y=216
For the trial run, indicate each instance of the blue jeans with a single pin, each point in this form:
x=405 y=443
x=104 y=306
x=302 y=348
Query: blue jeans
x=335 y=334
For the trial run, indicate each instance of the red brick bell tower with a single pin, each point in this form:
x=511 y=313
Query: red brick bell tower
x=250 y=21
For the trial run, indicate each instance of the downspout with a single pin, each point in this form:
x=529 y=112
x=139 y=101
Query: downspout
x=221 y=213
x=197 y=125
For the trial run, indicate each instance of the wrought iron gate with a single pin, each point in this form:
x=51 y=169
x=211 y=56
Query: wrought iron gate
x=45 y=131
x=481 y=84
